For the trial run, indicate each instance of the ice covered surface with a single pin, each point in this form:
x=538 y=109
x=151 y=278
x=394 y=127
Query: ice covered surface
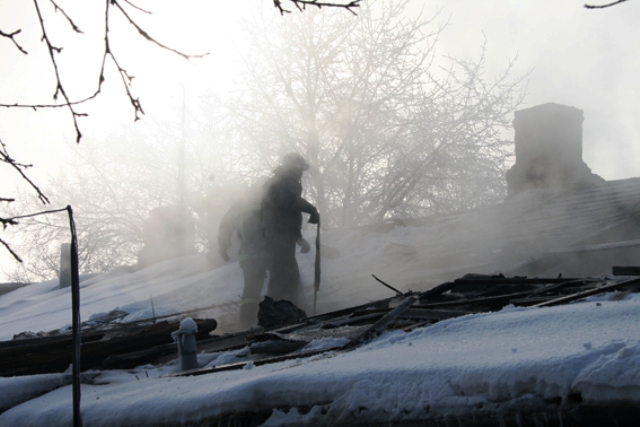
x=525 y=357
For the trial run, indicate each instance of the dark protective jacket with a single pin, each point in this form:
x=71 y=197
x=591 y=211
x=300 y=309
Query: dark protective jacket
x=282 y=205
x=244 y=218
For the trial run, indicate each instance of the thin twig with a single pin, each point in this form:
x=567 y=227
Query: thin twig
x=13 y=221
x=11 y=36
x=35 y=107
x=137 y=7
x=59 y=87
x=15 y=255
x=6 y=158
x=301 y=5
x=603 y=6
x=146 y=35
x=61 y=10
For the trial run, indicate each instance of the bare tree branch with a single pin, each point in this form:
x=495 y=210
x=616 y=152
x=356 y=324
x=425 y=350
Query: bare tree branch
x=15 y=255
x=12 y=37
x=59 y=9
x=603 y=6
x=137 y=7
x=146 y=35
x=360 y=99
x=59 y=86
x=302 y=4
x=127 y=78
x=6 y=158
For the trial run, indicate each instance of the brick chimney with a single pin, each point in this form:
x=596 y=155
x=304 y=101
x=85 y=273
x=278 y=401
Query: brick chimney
x=548 y=141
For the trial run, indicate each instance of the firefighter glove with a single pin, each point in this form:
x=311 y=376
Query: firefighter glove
x=314 y=217
x=304 y=245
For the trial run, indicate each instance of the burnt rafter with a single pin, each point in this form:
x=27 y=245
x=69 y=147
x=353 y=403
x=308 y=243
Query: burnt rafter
x=125 y=346
x=52 y=354
x=406 y=312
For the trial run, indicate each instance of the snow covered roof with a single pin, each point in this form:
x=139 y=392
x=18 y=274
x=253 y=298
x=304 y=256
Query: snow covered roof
x=576 y=364
x=562 y=360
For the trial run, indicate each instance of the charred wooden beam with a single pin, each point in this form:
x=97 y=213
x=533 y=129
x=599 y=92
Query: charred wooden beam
x=433 y=316
x=225 y=343
x=436 y=291
x=528 y=302
x=276 y=347
x=474 y=302
x=54 y=356
x=514 y=281
x=388 y=285
x=611 y=286
x=137 y=358
x=498 y=301
x=479 y=287
x=53 y=340
x=625 y=271
x=356 y=320
x=257 y=362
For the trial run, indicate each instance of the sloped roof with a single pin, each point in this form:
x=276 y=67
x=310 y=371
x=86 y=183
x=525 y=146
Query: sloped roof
x=534 y=226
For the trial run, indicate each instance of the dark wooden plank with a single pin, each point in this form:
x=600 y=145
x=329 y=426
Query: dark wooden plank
x=355 y=320
x=528 y=302
x=257 y=362
x=433 y=315
x=500 y=300
x=436 y=291
x=55 y=356
x=513 y=281
x=137 y=358
x=615 y=285
x=276 y=347
x=625 y=270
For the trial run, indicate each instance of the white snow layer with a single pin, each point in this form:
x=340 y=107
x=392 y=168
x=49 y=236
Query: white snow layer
x=518 y=356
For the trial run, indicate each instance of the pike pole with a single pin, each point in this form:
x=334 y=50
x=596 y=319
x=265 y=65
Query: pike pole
x=316 y=273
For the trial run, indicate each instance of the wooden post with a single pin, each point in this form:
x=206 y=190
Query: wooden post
x=75 y=325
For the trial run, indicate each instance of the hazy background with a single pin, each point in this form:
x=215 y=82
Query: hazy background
x=578 y=57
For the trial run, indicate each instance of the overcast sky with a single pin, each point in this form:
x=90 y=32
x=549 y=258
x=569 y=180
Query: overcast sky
x=578 y=57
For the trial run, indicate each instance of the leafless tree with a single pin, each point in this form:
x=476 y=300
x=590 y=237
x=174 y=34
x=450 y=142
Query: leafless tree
x=109 y=220
x=48 y=14
x=389 y=127
x=136 y=170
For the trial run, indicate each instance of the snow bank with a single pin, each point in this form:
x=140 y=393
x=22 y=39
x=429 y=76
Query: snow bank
x=16 y=390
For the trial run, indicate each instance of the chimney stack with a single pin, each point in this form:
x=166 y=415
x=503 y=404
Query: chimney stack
x=548 y=142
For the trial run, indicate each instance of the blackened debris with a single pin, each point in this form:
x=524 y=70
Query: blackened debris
x=272 y=313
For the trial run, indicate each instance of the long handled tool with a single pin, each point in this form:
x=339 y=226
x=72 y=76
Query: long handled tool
x=316 y=275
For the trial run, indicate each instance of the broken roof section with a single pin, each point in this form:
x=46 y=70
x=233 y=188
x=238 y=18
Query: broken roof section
x=540 y=232
x=559 y=218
